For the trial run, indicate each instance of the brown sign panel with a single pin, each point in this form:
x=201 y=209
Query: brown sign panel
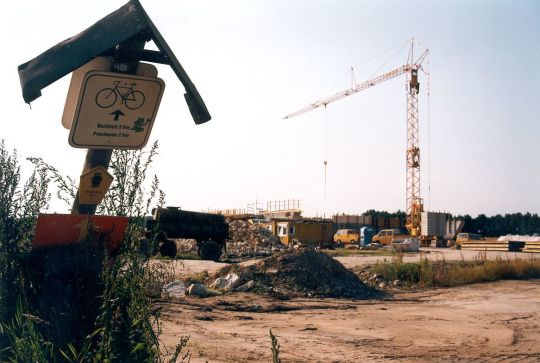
x=94 y=185
x=115 y=111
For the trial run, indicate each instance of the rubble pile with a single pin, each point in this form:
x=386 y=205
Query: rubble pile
x=186 y=245
x=247 y=239
x=302 y=272
x=377 y=280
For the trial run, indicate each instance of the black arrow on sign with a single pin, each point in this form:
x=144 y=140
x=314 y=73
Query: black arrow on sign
x=117 y=114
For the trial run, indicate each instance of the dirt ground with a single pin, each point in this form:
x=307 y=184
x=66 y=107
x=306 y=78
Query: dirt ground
x=188 y=267
x=494 y=322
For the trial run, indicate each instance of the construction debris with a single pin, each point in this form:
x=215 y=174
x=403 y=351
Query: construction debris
x=246 y=287
x=197 y=290
x=186 y=245
x=377 y=280
x=176 y=289
x=229 y=282
x=408 y=245
x=302 y=272
x=247 y=239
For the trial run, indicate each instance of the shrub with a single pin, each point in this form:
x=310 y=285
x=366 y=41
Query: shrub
x=426 y=273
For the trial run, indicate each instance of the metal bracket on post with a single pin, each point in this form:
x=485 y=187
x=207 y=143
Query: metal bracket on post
x=126 y=60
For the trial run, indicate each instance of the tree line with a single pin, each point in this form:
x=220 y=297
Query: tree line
x=499 y=225
x=493 y=226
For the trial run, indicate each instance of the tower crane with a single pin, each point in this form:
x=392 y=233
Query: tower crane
x=414 y=201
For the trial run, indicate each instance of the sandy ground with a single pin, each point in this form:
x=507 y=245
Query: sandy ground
x=494 y=322
x=188 y=267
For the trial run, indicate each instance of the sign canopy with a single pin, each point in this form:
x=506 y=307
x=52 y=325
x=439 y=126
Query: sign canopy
x=101 y=39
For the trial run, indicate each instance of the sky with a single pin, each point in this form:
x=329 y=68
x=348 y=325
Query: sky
x=253 y=62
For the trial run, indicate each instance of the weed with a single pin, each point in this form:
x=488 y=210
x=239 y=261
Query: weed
x=126 y=321
x=157 y=275
x=197 y=278
x=275 y=348
x=129 y=194
x=19 y=206
x=187 y=256
x=177 y=356
x=127 y=327
x=25 y=343
x=442 y=273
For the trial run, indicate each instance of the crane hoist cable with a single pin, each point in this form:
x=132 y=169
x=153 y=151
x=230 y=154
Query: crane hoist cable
x=325 y=161
x=428 y=91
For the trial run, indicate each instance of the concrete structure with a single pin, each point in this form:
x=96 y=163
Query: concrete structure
x=433 y=223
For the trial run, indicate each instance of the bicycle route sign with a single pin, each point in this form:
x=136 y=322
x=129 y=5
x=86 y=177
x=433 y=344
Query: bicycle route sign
x=115 y=110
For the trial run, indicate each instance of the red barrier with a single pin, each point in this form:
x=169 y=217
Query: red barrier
x=64 y=229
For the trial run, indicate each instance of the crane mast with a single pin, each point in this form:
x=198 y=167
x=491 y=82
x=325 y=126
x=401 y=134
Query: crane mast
x=413 y=200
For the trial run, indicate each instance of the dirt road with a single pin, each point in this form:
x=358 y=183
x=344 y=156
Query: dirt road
x=492 y=322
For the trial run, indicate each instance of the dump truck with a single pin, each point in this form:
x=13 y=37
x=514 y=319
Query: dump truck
x=209 y=230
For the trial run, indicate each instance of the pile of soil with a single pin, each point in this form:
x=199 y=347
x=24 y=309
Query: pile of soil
x=305 y=272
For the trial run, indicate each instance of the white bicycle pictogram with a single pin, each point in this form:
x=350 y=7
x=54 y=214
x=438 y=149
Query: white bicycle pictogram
x=107 y=97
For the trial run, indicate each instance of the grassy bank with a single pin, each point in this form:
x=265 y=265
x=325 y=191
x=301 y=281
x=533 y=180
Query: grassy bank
x=442 y=273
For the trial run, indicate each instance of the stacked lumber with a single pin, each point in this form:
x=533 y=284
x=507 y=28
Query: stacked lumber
x=480 y=245
x=532 y=247
x=530 y=243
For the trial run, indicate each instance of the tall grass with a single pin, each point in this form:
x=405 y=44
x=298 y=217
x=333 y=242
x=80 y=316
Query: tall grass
x=20 y=204
x=132 y=193
x=433 y=273
x=127 y=327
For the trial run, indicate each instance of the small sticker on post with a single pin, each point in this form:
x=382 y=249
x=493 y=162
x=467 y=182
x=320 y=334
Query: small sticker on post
x=94 y=185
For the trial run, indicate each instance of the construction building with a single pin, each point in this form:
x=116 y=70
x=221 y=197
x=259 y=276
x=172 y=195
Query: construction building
x=316 y=232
